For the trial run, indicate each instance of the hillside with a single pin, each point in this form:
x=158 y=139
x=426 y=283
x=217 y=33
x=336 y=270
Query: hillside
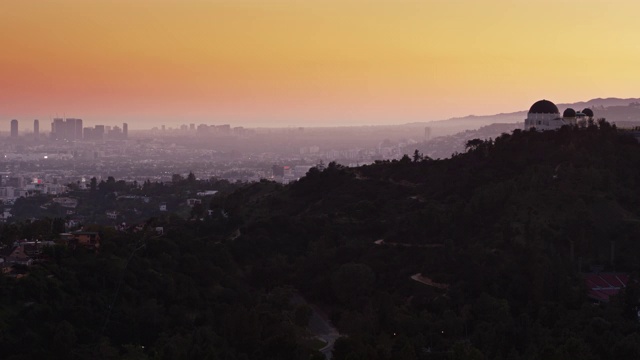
x=480 y=256
x=496 y=224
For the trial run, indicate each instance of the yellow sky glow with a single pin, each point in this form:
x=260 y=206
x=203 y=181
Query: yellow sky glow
x=313 y=62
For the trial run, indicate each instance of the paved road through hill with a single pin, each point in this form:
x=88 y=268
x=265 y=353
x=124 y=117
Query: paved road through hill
x=320 y=326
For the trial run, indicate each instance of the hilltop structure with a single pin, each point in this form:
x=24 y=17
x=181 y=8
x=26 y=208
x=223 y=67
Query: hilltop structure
x=544 y=115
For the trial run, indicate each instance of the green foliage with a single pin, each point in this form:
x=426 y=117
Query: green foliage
x=301 y=315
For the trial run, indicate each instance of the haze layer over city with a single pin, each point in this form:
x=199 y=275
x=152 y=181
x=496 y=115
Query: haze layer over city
x=231 y=89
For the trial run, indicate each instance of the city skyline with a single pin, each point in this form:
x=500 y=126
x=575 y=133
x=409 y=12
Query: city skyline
x=308 y=63
x=69 y=129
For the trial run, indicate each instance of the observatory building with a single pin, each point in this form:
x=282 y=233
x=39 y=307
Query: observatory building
x=544 y=115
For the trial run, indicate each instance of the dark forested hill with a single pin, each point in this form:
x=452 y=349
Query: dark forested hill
x=510 y=226
x=480 y=256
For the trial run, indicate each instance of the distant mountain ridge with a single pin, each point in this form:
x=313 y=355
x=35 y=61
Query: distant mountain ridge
x=613 y=109
x=598 y=102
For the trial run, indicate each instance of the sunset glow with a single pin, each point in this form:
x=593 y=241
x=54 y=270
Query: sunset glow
x=308 y=62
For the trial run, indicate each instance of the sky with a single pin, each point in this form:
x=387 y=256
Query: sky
x=308 y=62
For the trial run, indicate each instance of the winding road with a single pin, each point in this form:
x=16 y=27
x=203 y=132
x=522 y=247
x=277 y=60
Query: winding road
x=320 y=326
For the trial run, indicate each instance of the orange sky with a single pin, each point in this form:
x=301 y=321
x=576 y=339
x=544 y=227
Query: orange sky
x=308 y=62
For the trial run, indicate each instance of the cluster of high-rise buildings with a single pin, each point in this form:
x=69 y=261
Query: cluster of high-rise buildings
x=66 y=129
x=71 y=129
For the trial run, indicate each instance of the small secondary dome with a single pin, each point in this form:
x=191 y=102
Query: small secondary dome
x=569 y=113
x=544 y=107
x=588 y=112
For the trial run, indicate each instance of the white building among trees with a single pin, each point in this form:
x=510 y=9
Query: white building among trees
x=544 y=115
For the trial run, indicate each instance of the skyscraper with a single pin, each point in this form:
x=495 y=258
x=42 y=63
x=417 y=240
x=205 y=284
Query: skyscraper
x=125 y=130
x=98 y=132
x=78 y=129
x=14 y=128
x=66 y=129
x=115 y=133
x=87 y=133
x=36 y=128
x=57 y=129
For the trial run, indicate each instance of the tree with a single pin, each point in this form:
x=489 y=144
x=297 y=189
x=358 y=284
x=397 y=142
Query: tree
x=302 y=315
x=320 y=166
x=57 y=226
x=417 y=156
x=176 y=178
x=93 y=184
x=464 y=351
x=197 y=211
x=627 y=348
x=473 y=144
x=351 y=281
x=64 y=338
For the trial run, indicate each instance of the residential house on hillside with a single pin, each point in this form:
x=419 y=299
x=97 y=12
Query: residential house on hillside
x=193 y=202
x=87 y=239
x=66 y=202
x=18 y=256
x=601 y=286
x=34 y=249
x=5 y=214
x=207 y=193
